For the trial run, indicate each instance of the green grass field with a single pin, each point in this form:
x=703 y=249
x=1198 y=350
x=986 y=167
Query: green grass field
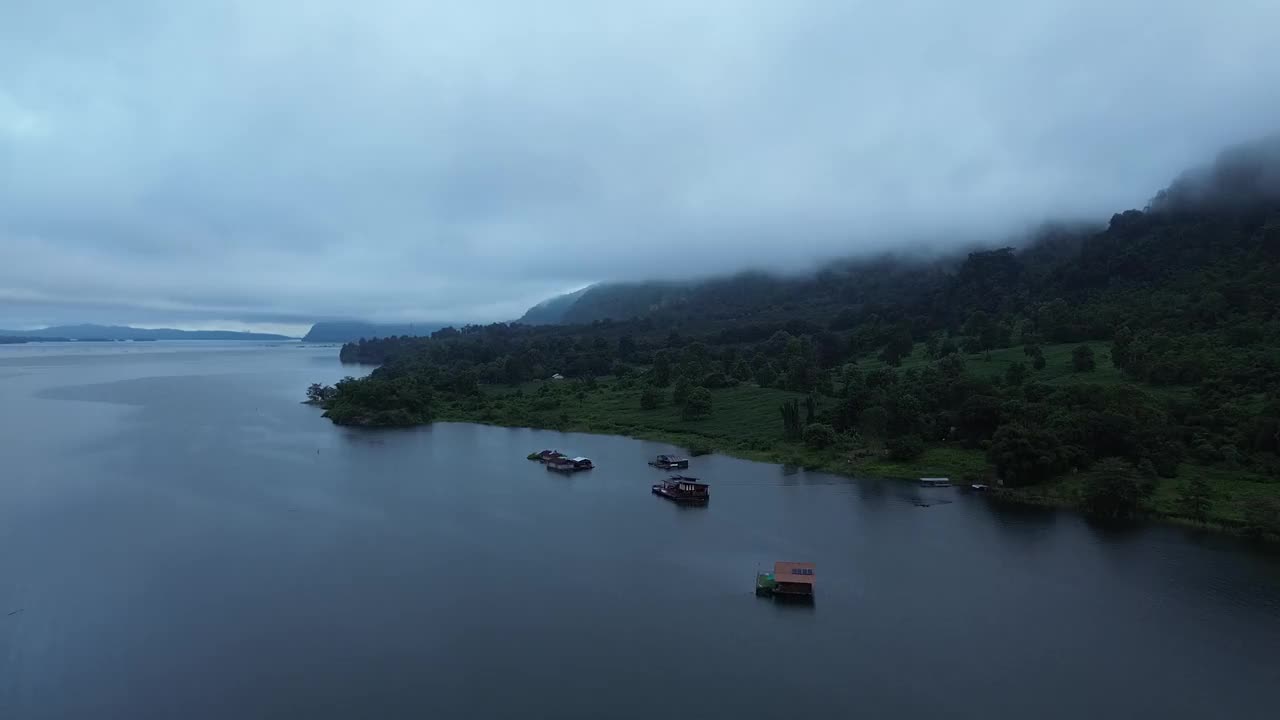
x=744 y=418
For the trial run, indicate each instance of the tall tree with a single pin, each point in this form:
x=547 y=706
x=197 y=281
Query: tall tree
x=1082 y=359
x=766 y=376
x=1112 y=490
x=662 y=368
x=1195 y=501
x=680 y=393
x=792 y=427
x=899 y=346
x=1024 y=455
x=1016 y=374
x=698 y=404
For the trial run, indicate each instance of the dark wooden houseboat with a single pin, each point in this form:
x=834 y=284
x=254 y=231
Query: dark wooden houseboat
x=569 y=465
x=546 y=455
x=670 y=462
x=684 y=490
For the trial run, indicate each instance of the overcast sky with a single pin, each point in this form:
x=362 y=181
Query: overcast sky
x=266 y=163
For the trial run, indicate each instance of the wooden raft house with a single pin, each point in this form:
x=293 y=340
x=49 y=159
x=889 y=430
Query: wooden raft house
x=670 y=462
x=788 y=581
x=546 y=455
x=569 y=465
x=684 y=490
x=935 y=482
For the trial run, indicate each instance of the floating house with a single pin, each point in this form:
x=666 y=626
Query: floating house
x=684 y=490
x=569 y=465
x=670 y=462
x=788 y=581
x=935 y=482
x=545 y=455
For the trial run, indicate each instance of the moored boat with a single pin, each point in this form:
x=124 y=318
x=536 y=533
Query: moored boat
x=568 y=465
x=685 y=490
x=546 y=456
x=788 y=581
x=670 y=462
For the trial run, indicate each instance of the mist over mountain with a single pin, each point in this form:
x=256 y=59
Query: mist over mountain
x=1242 y=177
x=1243 y=180
x=550 y=312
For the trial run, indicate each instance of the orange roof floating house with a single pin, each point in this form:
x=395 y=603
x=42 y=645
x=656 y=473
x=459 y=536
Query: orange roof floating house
x=793 y=580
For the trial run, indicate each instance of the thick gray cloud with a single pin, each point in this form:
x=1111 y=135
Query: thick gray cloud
x=271 y=162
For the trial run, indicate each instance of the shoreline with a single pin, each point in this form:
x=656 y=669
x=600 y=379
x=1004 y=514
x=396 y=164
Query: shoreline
x=872 y=468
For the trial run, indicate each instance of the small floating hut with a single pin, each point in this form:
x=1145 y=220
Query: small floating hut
x=684 y=490
x=670 y=462
x=788 y=581
x=569 y=465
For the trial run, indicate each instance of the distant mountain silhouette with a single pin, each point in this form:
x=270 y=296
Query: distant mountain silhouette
x=351 y=330
x=121 y=332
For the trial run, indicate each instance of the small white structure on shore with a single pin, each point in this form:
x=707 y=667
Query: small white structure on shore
x=935 y=482
x=557 y=376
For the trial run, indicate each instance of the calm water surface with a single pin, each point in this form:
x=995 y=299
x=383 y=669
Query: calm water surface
x=179 y=537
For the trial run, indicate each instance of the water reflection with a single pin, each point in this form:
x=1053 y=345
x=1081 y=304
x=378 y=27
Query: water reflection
x=1021 y=523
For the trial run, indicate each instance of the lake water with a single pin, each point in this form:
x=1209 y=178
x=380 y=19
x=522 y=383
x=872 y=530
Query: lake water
x=180 y=538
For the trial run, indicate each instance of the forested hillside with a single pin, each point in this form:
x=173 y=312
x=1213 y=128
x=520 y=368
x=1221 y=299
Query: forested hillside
x=1127 y=368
